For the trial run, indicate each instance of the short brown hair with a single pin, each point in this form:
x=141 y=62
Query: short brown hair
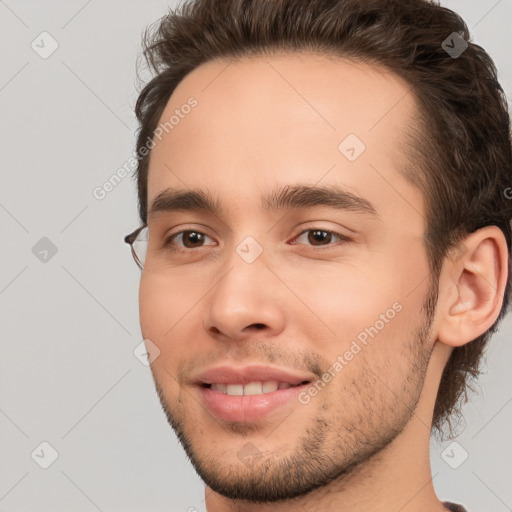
x=460 y=149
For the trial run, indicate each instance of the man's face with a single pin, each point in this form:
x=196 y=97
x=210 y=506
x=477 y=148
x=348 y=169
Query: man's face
x=249 y=288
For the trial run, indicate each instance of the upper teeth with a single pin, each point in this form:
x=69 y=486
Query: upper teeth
x=251 y=388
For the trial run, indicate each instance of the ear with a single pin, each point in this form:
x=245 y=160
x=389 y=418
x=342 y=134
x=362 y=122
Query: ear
x=473 y=284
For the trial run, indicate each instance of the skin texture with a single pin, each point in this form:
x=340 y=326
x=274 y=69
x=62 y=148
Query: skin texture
x=363 y=442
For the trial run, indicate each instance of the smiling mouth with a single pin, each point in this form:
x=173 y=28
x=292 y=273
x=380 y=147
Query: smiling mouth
x=251 y=388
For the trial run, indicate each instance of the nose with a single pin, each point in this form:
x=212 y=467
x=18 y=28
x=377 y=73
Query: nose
x=248 y=299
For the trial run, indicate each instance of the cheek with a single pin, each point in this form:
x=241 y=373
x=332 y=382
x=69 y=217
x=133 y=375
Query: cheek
x=168 y=313
x=159 y=322
x=147 y=302
x=345 y=296
x=158 y=306
x=369 y=304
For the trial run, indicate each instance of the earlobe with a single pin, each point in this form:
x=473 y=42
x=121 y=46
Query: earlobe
x=477 y=282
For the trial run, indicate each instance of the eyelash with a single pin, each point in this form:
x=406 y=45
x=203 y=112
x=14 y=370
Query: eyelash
x=342 y=239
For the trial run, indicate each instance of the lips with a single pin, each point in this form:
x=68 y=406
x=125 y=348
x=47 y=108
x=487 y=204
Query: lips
x=250 y=393
x=249 y=374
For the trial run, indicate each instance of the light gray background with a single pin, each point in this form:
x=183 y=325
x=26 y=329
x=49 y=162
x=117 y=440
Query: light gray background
x=69 y=326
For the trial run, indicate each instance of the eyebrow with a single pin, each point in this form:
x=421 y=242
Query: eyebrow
x=287 y=197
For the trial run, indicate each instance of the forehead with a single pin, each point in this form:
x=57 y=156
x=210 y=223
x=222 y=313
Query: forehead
x=284 y=119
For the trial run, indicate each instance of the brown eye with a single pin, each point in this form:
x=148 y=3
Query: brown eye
x=190 y=239
x=316 y=236
x=322 y=237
